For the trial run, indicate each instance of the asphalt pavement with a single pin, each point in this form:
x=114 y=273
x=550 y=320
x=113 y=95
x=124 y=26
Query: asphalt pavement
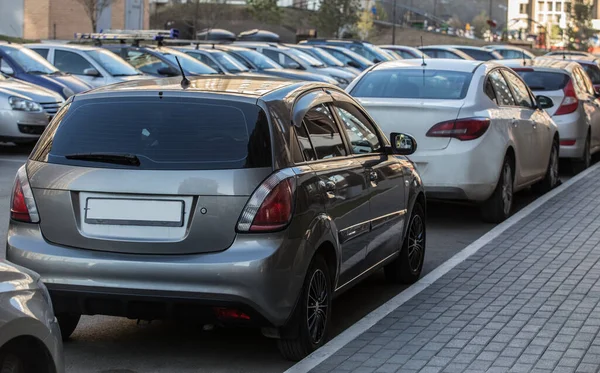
x=117 y=345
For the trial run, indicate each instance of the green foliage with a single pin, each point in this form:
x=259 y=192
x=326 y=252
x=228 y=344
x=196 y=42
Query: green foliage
x=334 y=15
x=365 y=23
x=556 y=32
x=381 y=13
x=580 y=31
x=265 y=11
x=480 y=25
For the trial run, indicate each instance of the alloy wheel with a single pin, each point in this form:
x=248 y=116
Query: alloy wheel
x=507 y=189
x=317 y=306
x=553 y=167
x=587 y=154
x=416 y=238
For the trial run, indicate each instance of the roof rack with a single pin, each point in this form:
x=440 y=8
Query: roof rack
x=197 y=43
x=135 y=35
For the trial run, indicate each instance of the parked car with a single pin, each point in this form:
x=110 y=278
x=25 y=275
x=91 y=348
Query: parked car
x=221 y=62
x=569 y=53
x=294 y=59
x=259 y=221
x=510 y=52
x=262 y=64
x=325 y=57
x=363 y=48
x=591 y=65
x=30 y=339
x=159 y=61
x=25 y=110
x=403 y=51
x=575 y=106
x=445 y=52
x=24 y=64
x=348 y=57
x=96 y=66
x=476 y=53
x=482 y=135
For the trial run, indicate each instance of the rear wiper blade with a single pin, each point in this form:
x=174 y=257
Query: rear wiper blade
x=116 y=158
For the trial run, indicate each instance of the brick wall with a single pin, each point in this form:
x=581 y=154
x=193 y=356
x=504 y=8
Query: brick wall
x=36 y=19
x=70 y=17
x=118 y=14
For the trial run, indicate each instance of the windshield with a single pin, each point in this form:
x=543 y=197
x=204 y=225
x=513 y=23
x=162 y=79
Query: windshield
x=29 y=60
x=326 y=57
x=189 y=64
x=258 y=59
x=229 y=62
x=306 y=58
x=414 y=83
x=112 y=63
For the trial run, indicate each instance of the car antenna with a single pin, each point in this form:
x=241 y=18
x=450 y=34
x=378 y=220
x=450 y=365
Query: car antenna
x=524 y=59
x=185 y=83
x=424 y=64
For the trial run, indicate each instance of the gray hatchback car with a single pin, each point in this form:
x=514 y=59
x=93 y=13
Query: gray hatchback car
x=234 y=201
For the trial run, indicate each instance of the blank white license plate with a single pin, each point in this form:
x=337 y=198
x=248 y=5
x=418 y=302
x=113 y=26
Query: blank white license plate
x=140 y=212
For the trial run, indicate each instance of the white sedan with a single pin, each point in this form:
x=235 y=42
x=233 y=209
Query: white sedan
x=481 y=133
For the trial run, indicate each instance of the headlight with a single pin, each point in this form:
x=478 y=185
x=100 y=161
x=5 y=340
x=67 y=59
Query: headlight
x=18 y=103
x=45 y=293
x=341 y=80
x=68 y=92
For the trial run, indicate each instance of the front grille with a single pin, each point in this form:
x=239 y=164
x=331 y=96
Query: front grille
x=31 y=130
x=50 y=107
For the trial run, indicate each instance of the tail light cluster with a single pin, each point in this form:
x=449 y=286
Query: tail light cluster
x=462 y=129
x=22 y=204
x=570 y=103
x=271 y=205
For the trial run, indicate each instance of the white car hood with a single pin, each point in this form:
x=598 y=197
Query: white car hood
x=30 y=91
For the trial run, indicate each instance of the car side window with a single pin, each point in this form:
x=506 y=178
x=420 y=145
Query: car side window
x=579 y=83
x=489 y=91
x=145 y=62
x=70 y=62
x=586 y=82
x=41 y=51
x=503 y=95
x=363 y=136
x=324 y=133
x=208 y=61
x=520 y=90
x=305 y=145
x=447 y=54
x=339 y=55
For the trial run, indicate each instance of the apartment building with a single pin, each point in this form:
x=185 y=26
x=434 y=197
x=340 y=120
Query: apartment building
x=533 y=15
x=60 y=19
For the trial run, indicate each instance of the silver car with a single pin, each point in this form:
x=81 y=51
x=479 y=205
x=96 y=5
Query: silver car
x=25 y=110
x=236 y=201
x=96 y=66
x=30 y=338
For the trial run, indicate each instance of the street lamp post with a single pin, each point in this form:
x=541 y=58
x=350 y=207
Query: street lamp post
x=394 y=24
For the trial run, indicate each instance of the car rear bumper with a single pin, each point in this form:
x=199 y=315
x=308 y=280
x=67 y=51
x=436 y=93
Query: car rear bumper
x=572 y=128
x=16 y=124
x=256 y=275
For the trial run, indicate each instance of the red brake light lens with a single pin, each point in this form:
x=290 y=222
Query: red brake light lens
x=570 y=102
x=461 y=129
x=18 y=208
x=276 y=210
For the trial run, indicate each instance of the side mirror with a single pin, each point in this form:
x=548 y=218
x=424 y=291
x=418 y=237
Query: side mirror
x=167 y=71
x=376 y=60
x=403 y=144
x=353 y=64
x=91 y=72
x=544 y=102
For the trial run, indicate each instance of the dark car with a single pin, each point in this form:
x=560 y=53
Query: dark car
x=591 y=65
x=363 y=48
x=258 y=62
x=235 y=201
x=348 y=57
x=22 y=63
x=159 y=61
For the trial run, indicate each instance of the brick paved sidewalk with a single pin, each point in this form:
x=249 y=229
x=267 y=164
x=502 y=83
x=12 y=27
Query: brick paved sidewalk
x=528 y=301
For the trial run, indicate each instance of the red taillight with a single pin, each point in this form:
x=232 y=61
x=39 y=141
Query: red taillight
x=18 y=208
x=462 y=129
x=567 y=142
x=276 y=210
x=230 y=314
x=570 y=103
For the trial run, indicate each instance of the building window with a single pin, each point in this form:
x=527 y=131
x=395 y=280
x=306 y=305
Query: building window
x=559 y=7
x=540 y=6
x=568 y=8
x=549 y=6
x=540 y=18
x=523 y=9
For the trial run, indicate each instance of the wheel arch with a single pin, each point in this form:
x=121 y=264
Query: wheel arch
x=32 y=351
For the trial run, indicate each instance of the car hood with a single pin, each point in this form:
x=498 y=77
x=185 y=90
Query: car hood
x=59 y=82
x=30 y=91
x=298 y=75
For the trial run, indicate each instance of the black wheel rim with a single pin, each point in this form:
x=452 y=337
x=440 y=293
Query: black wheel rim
x=416 y=243
x=507 y=189
x=317 y=306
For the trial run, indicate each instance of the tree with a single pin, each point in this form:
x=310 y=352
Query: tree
x=266 y=11
x=93 y=9
x=480 y=24
x=335 y=15
x=365 y=23
x=381 y=14
x=580 y=30
x=204 y=14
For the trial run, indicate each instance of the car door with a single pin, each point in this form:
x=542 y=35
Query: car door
x=541 y=135
x=591 y=105
x=508 y=115
x=73 y=63
x=384 y=175
x=343 y=183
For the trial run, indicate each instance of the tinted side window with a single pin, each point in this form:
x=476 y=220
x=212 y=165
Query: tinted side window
x=520 y=91
x=362 y=135
x=323 y=132
x=593 y=72
x=70 y=62
x=503 y=95
x=305 y=144
x=447 y=54
x=145 y=62
x=339 y=55
x=489 y=91
x=208 y=61
x=585 y=81
x=41 y=51
x=478 y=55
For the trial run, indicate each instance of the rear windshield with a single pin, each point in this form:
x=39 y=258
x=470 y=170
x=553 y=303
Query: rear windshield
x=544 y=81
x=164 y=134
x=414 y=83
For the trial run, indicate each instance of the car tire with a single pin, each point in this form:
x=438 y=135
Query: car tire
x=585 y=162
x=316 y=292
x=551 y=180
x=498 y=207
x=407 y=267
x=11 y=363
x=68 y=323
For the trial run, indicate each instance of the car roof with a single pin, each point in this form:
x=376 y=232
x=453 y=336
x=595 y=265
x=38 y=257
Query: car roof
x=459 y=47
x=201 y=49
x=539 y=64
x=432 y=64
x=511 y=47
x=574 y=58
x=80 y=47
